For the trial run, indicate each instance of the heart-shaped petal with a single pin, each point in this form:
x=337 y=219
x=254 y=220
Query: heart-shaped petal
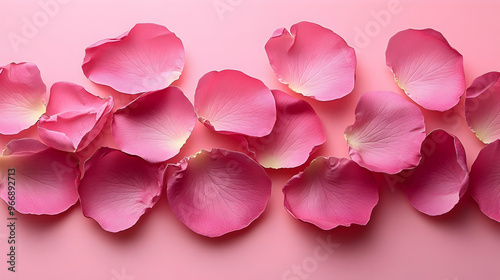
x=313 y=61
x=427 y=68
x=218 y=191
x=387 y=134
x=482 y=107
x=43 y=180
x=331 y=192
x=117 y=189
x=155 y=125
x=147 y=58
x=23 y=97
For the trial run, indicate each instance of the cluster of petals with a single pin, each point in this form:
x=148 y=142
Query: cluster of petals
x=218 y=191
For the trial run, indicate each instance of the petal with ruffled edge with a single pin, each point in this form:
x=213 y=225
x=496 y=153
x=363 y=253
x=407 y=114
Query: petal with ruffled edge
x=387 y=133
x=439 y=181
x=155 y=125
x=313 y=61
x=427 y=68
x=332 y=192
x=74 y=117
x=147 y=58
x=297 y=133
x=218 y=191
x=230 y=101
x=23 y=96
x=117 y=189
x=482 y=107
x=485 y=180
x=45 y=180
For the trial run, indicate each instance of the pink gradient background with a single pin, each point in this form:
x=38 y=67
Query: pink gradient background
x=398 y=242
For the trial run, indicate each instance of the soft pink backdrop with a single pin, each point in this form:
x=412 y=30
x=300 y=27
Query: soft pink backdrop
x=398 y=242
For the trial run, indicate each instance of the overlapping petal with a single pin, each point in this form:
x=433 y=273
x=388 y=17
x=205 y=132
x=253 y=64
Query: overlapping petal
x=436 y=185
x=117 y=189
x=156 y=125
x=387 y=133
x=147 y=58
x=23 y=97
x=74 y=117
x=485 y=180
x=313 y=61
x=218 y=191
x=482 y=107
x=427 y=68
x=230 y=101
x=331 y=192
x=43 y=180
x=297 y=133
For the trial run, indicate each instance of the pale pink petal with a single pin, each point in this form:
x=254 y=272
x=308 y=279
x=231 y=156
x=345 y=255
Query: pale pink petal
x=45 y=180
x=482 y=107
x=230 y=101
x=218 y=191
x=74 y=117
x=156 y=125
x=485 y=180
x=147 y=58
x=23 y=96
x=313 y=61
x=436 y=185
x=117 y=189
x=332 y=192
x=387 y=133
x=427 y=68
x=297 y=133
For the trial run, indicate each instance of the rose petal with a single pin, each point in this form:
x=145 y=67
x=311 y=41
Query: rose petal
x=230 y=101
x=331 y=192
x=217 y=192
x=313 y=61
x=387 y=133
x=45 y=179
x=297 y=133
x=74 y=117
x=485 y=180
x=427 y=68
x=23 y=96
x=147 y=58
x=118 y=189
x=482 y=107
x=156 y=125
x=436 y=185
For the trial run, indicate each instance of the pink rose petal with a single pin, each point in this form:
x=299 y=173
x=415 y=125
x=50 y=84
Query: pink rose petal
x=74 y=117
x=313 y=61
x=117 y=189
x=332 y=192
x=23 y=97
x=387 y=134
x=230 y=101
x=154 y=126
x=147 y=58
x=45 y=179
x=217 y=192
x=482 y=107
x=427 y=68
x=297 y=133
x=485 y=180
x=436 y=185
